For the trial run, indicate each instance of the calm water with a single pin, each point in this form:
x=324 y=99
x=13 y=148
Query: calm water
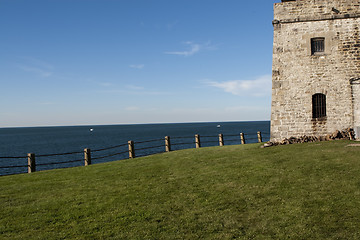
x=18 y=142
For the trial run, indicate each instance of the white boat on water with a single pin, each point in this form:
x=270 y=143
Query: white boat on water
x=91 y=129
x=218 y=126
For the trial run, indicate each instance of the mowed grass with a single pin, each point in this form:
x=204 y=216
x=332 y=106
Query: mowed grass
x=301 y=191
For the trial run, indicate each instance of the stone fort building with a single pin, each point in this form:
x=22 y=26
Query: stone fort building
x=316 y=68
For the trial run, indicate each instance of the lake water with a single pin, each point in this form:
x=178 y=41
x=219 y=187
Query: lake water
x=18 y=142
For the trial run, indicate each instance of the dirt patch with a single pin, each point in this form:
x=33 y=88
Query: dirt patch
x=354 y=145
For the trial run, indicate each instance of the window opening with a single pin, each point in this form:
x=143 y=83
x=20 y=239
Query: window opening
x=317 y=45
x=319 y=105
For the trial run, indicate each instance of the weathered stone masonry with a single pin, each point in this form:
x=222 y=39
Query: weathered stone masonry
x=300 y=73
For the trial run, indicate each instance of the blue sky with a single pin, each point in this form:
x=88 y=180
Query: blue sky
x=75 y=62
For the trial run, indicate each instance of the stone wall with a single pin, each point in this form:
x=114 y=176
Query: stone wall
x=355 y=86
x=315 y=9
x=297 y=74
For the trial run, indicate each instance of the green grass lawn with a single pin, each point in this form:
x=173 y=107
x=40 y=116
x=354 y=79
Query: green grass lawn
x=301 y=191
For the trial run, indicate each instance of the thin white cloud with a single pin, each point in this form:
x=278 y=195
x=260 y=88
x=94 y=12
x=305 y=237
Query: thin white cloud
x=137 y=66
x=257 y=87
x=171 y=25
x=130 y=89
x=137 y=90
x=46 y=103
x=36 y=62
x=36 y=70
x=244 y=108
x=134 y=87
x=193 y=49
x=95 y=82
x=36 y=66
x=132 y=108
x=105 y=84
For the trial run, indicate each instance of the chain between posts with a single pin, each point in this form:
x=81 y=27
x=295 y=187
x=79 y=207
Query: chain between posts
x=31 y=157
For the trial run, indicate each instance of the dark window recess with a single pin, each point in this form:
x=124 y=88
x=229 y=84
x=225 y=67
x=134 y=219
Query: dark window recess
x=317 y=45
x=319 y=105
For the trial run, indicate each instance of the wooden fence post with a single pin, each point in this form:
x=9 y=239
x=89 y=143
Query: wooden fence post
x=197 y=141
x=167 y=144
x=221 y=140
x=31 y=162
x=242 y=138
x=87 y=156
x=350 y=136
x=131 y=149
x=259 y=137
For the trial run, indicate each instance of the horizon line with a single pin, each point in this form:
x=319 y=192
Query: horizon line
x=115 y=124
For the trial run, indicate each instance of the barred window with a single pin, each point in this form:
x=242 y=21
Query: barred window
x=317 y=45
x=319 y=105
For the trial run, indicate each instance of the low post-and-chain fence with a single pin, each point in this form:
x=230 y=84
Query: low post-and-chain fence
x=129 y=148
